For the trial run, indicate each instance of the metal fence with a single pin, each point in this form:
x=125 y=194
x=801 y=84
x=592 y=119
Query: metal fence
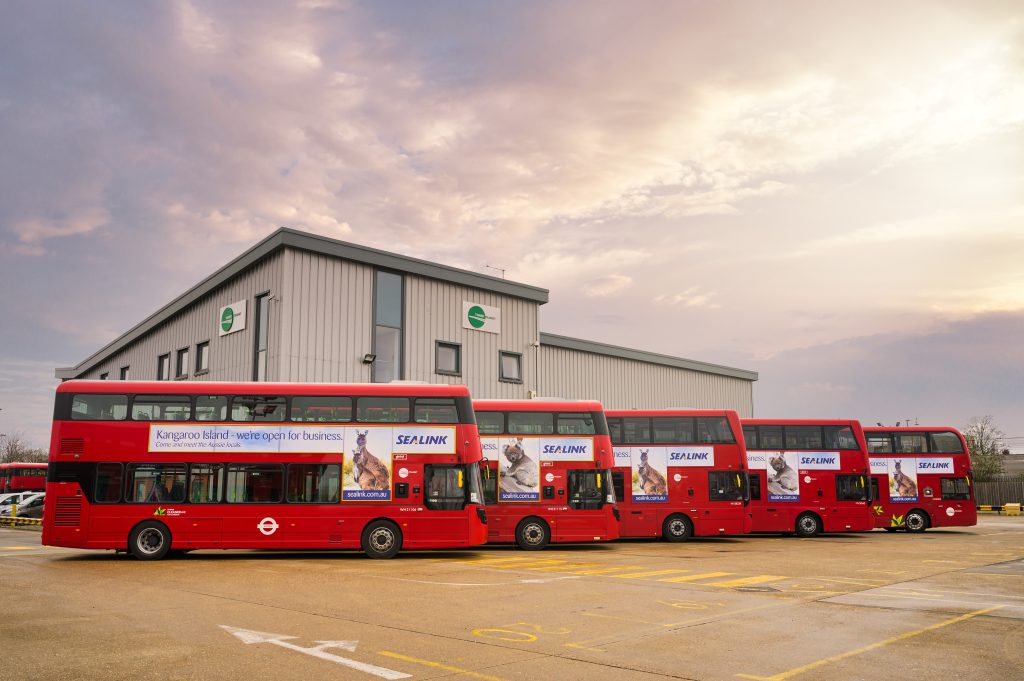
x=999 y=492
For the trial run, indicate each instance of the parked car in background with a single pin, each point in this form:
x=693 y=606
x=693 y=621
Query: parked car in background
x=8 y=498
x=32 y=508
x=24 y=504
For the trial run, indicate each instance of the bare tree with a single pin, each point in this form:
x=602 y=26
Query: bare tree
x=13 y=449
x=985 y=443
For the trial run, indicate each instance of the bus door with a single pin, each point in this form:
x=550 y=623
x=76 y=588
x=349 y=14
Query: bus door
x=636 y=519
x=447 y=488
x=495 y=518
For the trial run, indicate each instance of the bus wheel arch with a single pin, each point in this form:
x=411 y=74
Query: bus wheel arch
x=917 y=520
x=149 y=540
x=532 y=534
x=808 y=524
x=677 y=527
x=381 y=538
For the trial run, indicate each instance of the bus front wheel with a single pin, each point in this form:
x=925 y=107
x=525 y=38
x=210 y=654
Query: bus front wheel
x=532 y=534
x=149 y=541
x=677 y=528
x=382 y=539
x=808 y=525
x=916 y=521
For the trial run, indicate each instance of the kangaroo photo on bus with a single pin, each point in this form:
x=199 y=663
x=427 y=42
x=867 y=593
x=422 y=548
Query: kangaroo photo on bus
x=367 y=468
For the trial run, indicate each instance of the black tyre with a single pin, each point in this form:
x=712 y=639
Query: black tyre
x=677 y=528
x=150 y=540
x=382 y=539
x=533 y=534
x=916 y=521
x=808 y=525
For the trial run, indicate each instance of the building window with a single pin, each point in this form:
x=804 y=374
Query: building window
x=104 y=376
x=124 y=374
x=448 y=359
x=163 y=368
x=181 y=364
x=387 y=327
x=259 y=371
x=510 y=366
x=202 y=358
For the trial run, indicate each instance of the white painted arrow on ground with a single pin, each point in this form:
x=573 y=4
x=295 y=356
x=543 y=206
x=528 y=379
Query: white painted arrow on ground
x=249 y=636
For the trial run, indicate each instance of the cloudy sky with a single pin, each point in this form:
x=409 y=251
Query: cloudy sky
x=831 y=194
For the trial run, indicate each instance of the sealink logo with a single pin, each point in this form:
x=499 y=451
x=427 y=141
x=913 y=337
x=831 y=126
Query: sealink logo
x=422 y=440
x=817 y=460
x=565 y=449
x=688 y=456
x=227 y=319
x=476 y=316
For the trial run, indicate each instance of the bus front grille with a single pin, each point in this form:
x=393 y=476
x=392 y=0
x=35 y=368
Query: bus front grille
x=69 y=512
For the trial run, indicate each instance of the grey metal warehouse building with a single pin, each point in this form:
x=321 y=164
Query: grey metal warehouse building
x=305 y=308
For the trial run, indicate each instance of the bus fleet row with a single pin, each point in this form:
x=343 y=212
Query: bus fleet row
x=155 y=468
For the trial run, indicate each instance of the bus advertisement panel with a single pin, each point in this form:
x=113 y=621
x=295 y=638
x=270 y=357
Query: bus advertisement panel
x=546 y=472
x=920 y=478
x=155 y=467
x=679 y=472
x=807 y=476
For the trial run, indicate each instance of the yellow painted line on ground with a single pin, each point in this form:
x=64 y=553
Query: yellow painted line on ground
x=616 y=617
x=492 y=561
x=514 y=566
x=438 y=665
x=692 y=578
x=951 y=562
x=781 y=676
x=19 y=548
x=605 y=570
x=747 y=581
x=569 y=566
x=655 y=573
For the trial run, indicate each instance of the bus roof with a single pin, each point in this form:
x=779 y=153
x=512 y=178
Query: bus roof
x=255 y=388
x=800 y=422
x=537 y=405
x=909 y=429
x=670 y=411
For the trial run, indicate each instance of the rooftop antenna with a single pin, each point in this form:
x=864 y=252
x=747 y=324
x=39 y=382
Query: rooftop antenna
x=500 y=269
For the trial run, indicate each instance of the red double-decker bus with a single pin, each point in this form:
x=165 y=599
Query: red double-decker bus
x=151 y=467
x=546 y=472
x=22 y=477
x=920 y=478
x=679 y=472
x=807 y=476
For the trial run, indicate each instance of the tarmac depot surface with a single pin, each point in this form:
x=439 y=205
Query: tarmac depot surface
x=946 y=604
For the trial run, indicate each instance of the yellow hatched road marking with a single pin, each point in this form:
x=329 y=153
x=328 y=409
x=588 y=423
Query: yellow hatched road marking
x=782 y=676
x=693 y=578
x=569 y=566
x=438 y=665
x=604 y=570
x=513 y=566
x=747 y=581
x=655 y=573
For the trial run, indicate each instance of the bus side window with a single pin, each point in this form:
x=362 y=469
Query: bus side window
x=619 y=483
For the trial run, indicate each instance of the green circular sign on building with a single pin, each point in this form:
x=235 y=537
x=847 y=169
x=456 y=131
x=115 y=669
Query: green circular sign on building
x=476 y=315
x=227 y=319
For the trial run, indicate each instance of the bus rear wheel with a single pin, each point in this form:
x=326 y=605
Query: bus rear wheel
x=532 y=534
x=916 y=521
x=677 y=528
x=149 y=540
x=808 y=525
x=382 y=539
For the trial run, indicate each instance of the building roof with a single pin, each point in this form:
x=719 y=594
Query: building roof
x=580 y=345
x=290 y=238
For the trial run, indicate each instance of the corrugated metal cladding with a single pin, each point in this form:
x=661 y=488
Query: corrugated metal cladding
x=624 y=383
x=326 y=319
x=231 y=356
x=433 y=312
